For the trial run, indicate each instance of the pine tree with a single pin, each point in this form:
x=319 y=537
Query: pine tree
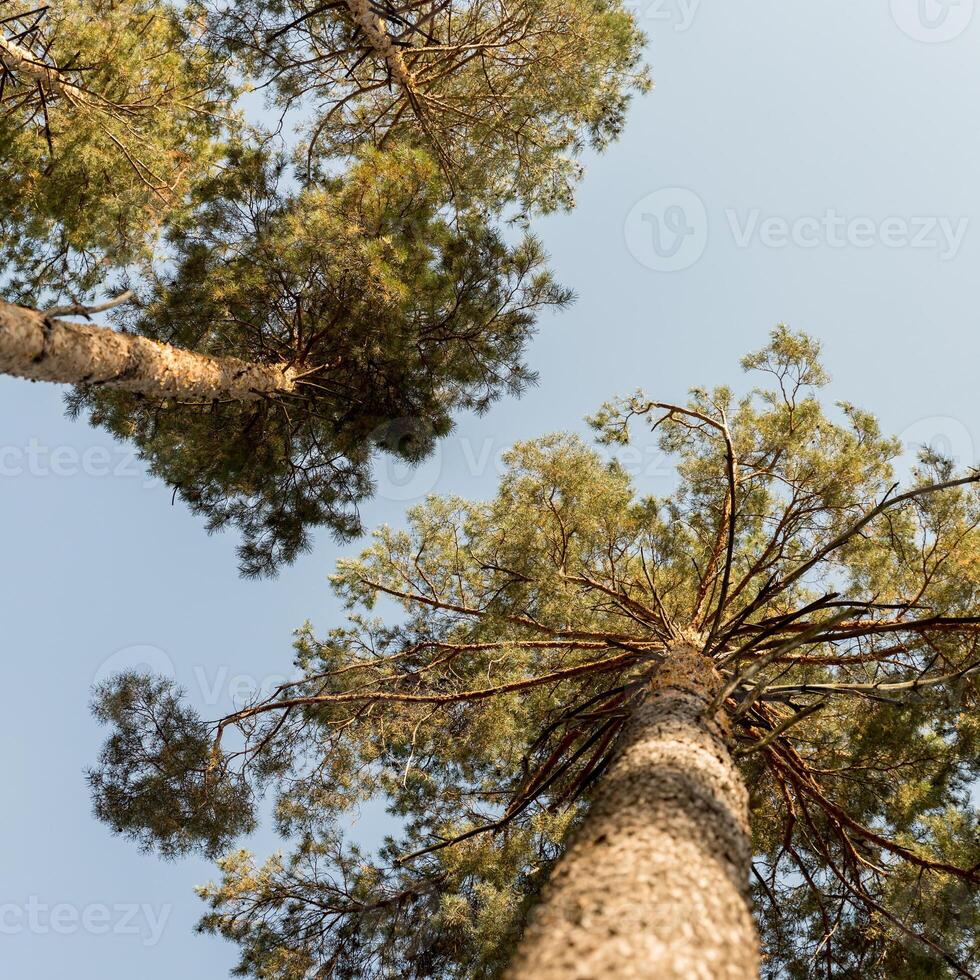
x=383 y=315
x=611 y=728
x=505 y=96
x=110 y=110
x=291 y=309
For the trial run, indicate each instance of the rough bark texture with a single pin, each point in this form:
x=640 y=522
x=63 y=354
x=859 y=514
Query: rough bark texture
x=655 y=883
x=373 y=29
x=35 y=347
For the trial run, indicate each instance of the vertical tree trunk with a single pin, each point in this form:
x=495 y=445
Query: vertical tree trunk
x=376 y=35
x=655 y=883
x=39 y=348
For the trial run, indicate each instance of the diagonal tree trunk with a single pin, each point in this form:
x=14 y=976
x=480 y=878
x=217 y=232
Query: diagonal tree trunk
x=655 y=883
x=16 y=58
x=39 y=348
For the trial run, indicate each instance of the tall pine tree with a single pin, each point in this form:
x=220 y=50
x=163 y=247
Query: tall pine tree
x=624 y=735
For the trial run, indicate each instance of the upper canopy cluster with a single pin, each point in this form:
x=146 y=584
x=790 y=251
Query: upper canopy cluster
x=109 y=113
x=113 y=111
x=360 y=256
x=504 y=94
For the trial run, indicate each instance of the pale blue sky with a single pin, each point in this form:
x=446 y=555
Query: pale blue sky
x=821 y=159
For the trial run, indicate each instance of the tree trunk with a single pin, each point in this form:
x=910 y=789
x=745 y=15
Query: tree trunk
x=35 y=347
x=655 y=882
x=18 y=59
x=373 y=29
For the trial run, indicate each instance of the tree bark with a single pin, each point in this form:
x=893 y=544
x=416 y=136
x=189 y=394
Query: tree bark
x=373 y=29
x=655 y=883
x=16 y=58
x=38 y=348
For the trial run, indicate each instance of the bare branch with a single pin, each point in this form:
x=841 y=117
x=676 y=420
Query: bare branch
x=76 y=309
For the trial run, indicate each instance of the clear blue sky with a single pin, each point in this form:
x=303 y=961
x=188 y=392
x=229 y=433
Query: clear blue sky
x=812 y=163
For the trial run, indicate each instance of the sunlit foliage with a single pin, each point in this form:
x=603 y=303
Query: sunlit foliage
x=843 y=612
